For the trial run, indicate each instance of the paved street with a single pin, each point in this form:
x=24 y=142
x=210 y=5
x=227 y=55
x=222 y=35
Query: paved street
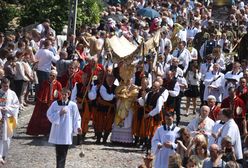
x=36 y=152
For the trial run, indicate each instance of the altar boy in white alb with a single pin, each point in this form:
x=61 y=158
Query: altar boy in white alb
x=163 y=142
x=66 y=121
x=9 y=107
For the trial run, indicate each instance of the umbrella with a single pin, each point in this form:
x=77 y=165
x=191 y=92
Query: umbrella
x=148 y=12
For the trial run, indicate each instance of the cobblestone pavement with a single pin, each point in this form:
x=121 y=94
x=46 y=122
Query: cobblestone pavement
x=35 y=152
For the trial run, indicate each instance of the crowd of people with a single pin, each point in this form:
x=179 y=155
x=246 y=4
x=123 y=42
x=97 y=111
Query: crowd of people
x=75 y=74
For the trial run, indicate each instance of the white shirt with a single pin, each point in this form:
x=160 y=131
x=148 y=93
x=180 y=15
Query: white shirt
x=176 y=90
x=104 y=94
x=191 y=32
x=28 y=69
x=91 y=93
x=63 y=126
x=168 y=58
x=193 y=54
x=193 y=78
x=163 y=43
x=231 y=129
x=184 y=58
x=182 y=81
x=179 y=71
x=221 y=42
x=20 y=71
x=2 y=61
x=169 y=21
x=182 y=35
x=160 y=102
x=204 y=68
x=45 y=58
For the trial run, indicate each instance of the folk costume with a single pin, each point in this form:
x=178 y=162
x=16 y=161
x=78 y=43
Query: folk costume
x=237 y=105
x=153 y=107
x=174 y=89
x=138 y=126
x=39 y=124
x=105 y=113
x=84 y=97
x=214 y=112
x=69 y=81
x=96 y=70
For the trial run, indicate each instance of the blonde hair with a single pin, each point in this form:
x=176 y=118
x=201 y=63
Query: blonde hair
x=54 y=72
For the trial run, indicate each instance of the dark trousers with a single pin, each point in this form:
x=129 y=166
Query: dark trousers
x=61 y=153
x=42 y=76
x=178 y=106
x=18 y=87
x=202 y=88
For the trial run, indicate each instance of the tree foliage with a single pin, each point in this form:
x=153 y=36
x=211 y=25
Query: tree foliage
x=34 y=11
x=7 y=13
x=89 y=12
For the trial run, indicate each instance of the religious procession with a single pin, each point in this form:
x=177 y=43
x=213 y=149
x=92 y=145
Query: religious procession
x=127 y=76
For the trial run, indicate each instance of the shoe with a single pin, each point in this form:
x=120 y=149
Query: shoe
x=98 y=139
x=105 y=137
